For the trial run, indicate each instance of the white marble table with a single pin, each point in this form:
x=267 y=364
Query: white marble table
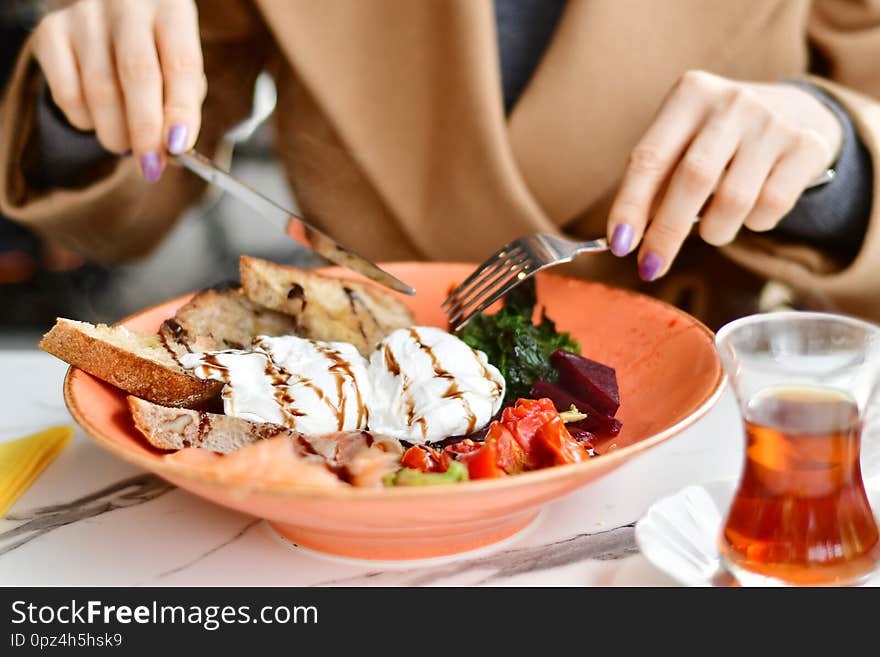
x=92 y=519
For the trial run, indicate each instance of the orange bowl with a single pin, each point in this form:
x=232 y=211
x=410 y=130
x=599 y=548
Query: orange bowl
x=668 y=372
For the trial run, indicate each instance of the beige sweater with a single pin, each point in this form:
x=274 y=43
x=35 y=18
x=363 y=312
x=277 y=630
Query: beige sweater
x=392 y=131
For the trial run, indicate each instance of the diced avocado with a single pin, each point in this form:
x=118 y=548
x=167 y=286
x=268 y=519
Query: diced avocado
x=412 y=477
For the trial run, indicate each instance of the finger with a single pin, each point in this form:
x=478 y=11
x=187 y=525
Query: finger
x=137 y=66
x=91 y=43
x=54 y=52
x=654 y=158
x=787 y=181
x=741 y=185
x=180 y=55
x=694 y=178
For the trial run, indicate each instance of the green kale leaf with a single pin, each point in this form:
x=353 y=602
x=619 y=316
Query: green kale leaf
x=517 y=347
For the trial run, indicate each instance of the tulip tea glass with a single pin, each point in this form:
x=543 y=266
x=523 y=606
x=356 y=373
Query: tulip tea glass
x=804 y=383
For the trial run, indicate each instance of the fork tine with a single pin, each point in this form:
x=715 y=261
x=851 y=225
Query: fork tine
x=488 y=278
x=488 y=282
x=511 y=283
x=503 y=253
x=501 y=282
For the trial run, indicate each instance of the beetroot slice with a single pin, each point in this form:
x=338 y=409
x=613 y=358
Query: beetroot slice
x=585 y=438
x=601 y=425
x=595 y=422
x=588 y=380
x=580 y=435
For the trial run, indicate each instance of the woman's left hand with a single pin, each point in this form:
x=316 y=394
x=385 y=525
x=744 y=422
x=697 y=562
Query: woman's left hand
x=748 y=149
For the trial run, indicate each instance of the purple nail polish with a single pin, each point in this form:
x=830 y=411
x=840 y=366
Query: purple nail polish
x=621 y=240
x=650 y=266
x=151 y=166
x=125 y=154
x=177 y=138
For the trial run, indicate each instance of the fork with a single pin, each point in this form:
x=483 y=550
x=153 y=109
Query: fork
x=512 y=264
x=521 y=259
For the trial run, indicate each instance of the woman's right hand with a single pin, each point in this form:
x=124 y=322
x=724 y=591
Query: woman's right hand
x=131 y=70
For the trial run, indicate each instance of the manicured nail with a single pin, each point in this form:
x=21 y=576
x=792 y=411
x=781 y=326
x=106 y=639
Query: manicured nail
x=621 y=240
x=125 y=154
x=177 y=137
x=650 y=266
x=151 y=167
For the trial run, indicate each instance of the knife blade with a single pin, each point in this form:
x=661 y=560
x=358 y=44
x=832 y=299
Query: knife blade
x=295 y=227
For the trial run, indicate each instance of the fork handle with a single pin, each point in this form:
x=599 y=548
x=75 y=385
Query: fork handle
x=601 y=244
x=593 y=246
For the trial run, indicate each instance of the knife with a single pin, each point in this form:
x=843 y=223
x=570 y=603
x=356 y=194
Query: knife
x=294 y=226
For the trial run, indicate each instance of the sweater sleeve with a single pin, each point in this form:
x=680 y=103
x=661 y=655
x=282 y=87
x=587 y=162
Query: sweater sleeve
x=63 y=153
x=835 y=215
x=845 y=39
x=106 y=211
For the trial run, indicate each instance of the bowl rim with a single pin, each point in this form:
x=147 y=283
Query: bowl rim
x=609 y=460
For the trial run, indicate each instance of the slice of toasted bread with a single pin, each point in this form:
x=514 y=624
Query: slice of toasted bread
x=326 y=308
x=274 y=455
x=136 y=362
x=176 y=428
x=354 y=457
x=221 y=319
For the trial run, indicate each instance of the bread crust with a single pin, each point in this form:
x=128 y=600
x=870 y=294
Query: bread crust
x=214 y=320
x=326 y=308
x=353 y=457
x=177 y=428
x=139 y=376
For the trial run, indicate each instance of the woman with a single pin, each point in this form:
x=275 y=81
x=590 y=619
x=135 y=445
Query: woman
x=624 y=118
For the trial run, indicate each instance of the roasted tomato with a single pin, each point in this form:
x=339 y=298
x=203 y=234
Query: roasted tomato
x=455 y=451
x=555 y=446
x=498 y=456
x=421 y=457
x=529 y=435
x=510 y=456
x=523 y=421
x=483 y=463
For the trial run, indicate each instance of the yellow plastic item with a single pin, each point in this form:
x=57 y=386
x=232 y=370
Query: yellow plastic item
x=22 y=461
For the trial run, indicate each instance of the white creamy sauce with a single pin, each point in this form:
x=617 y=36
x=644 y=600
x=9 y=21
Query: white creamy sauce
x=310 y=386
x=428 y=385
x=422 y=384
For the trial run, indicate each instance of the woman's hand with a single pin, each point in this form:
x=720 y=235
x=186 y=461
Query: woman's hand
x=752 y=148
x=131 y=70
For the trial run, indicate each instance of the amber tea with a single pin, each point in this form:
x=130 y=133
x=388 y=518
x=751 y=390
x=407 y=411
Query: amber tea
x=800 y=514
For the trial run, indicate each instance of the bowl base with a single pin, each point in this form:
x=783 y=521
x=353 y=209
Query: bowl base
x=405 y=545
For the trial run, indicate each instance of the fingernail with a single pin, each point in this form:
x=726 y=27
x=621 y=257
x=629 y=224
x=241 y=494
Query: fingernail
x=650 y=266
x=125 y=154
x=177 y=138
x=621 y=240
x=151 y=167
